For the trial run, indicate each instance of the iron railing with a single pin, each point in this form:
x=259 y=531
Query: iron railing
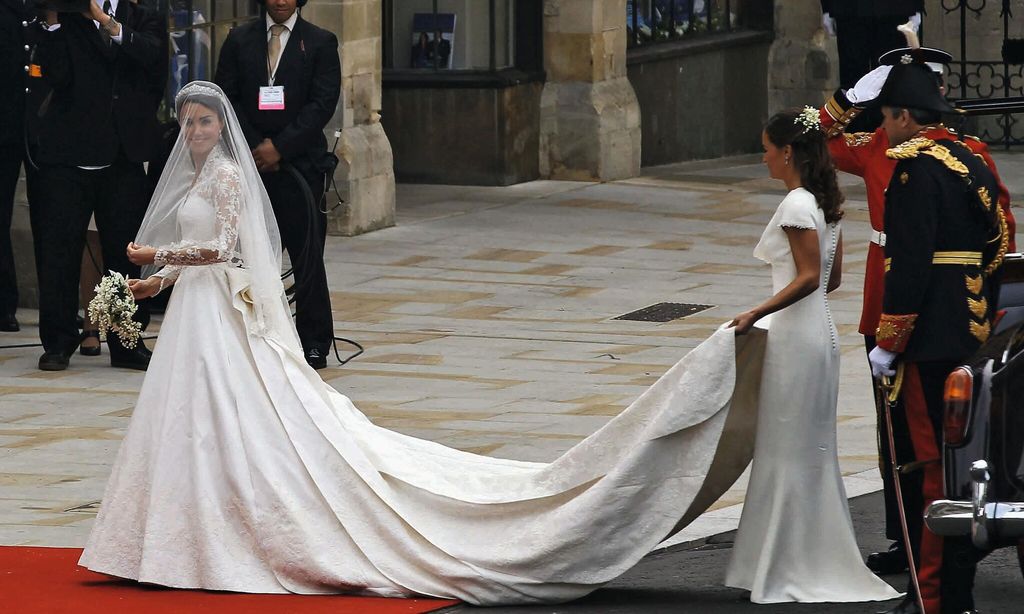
x=973 y=80
x=657 y=21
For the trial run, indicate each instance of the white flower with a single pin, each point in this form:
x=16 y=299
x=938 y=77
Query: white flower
x=809 y=118
x=112 y=309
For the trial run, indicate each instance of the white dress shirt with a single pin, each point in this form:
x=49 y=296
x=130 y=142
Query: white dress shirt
x=289 y=25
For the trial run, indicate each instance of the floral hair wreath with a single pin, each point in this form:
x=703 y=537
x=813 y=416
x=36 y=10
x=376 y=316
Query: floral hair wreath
x=809 y=118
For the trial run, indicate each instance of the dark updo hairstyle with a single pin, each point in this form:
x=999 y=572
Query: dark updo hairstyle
x=811 y=157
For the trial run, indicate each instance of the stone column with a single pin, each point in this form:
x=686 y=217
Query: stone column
x=803 y=64
x=365 y=175
x=590 y=118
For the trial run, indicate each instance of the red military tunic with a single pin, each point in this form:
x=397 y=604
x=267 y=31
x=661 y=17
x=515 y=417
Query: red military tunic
x=863 y=154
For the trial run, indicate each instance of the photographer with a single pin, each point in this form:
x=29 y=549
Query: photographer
x=99 y=127
x=283 y=78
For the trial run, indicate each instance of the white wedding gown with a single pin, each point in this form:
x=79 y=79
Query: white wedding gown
x=796 y=539
x=242 y=470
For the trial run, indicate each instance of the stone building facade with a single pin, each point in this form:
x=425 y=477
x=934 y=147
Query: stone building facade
x=557 y=89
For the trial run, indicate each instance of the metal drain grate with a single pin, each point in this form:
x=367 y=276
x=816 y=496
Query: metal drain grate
x=664 y=312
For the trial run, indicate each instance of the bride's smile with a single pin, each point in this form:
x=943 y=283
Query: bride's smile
x=202 y=126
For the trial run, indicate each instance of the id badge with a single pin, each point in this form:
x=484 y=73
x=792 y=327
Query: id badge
x=271 y=98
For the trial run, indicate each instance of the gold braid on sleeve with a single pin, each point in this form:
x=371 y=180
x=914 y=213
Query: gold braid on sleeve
x=1004 y=243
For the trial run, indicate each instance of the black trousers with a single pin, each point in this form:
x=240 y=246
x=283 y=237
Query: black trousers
x=11 y=156
x=860 y=42
x=62 y=203
x=911 y=482
x=304 y=234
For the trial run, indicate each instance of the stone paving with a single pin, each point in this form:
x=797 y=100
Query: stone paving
x=488 y=320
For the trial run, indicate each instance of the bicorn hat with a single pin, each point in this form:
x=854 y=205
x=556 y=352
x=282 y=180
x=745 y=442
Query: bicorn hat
x=913 y=86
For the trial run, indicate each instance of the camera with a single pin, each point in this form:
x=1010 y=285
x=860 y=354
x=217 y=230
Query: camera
x=63 y=6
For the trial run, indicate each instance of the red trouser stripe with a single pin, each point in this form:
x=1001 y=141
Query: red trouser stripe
x=922 y=433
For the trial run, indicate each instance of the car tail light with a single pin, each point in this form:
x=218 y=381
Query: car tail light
x=957 y=398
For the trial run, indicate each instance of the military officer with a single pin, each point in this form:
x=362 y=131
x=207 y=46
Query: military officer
x=945 y=238
x=863 y=154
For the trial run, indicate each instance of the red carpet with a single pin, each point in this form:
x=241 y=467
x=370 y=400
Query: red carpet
x=49 y=580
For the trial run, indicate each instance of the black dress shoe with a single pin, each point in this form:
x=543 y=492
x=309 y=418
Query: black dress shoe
x=9 y=323
x=123 y=358
x=316 y=358
x=894 y=560
x=907 y=606
x=53 y=361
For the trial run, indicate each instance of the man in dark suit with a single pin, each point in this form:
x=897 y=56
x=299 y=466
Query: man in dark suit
x=16 y=17
x=283 y=77
x=98 y=128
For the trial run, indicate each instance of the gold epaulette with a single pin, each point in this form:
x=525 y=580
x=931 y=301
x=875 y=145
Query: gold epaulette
x=909 y=149
x=942 y=154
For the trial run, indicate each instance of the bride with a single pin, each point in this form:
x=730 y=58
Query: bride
x=243 y=471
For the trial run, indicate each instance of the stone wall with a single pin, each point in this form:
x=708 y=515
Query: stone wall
x=365 y=175
x=590 y=117
x=803 y=65
x=705 y=98
x=481 y=135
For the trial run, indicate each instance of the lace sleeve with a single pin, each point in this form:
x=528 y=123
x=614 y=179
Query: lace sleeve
x=168 y=275
x=226 y=195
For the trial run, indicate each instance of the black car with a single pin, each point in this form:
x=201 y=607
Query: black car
x=983 y=432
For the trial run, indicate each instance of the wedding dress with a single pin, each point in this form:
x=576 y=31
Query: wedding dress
x=795 y=540
x=243 y=471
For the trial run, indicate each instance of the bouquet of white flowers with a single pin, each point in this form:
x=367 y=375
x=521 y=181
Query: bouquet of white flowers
x=112 y=310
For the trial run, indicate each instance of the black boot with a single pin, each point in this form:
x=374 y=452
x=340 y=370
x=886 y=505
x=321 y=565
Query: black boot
x=893 y=560
x=128 y=358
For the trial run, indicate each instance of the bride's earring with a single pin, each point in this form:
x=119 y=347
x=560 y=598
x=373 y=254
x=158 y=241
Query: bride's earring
x=787 y=160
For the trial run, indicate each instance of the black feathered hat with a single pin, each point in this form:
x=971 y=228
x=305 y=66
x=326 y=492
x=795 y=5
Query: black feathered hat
x=932 y=57
x=913 y=86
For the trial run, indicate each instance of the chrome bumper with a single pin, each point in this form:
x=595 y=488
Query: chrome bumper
x=982 y=520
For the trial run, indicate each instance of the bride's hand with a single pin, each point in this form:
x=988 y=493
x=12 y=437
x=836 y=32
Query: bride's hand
x=141 y=254
x=744 y=322
x=144 y=288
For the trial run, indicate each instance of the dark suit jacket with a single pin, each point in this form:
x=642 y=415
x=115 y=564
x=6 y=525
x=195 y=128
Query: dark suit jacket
x=104 y=98
x=13 y=59
x=871 y=8
x=309 y=70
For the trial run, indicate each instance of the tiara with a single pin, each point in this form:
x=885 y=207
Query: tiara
x=809 y=118
x=197 y=88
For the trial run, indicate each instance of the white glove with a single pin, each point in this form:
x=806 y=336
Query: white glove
x=881 y=361
x=829 y=24
x=915 y=20
x=869 y=86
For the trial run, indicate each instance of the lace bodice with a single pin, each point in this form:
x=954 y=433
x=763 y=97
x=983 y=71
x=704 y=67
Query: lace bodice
x=207 y=219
